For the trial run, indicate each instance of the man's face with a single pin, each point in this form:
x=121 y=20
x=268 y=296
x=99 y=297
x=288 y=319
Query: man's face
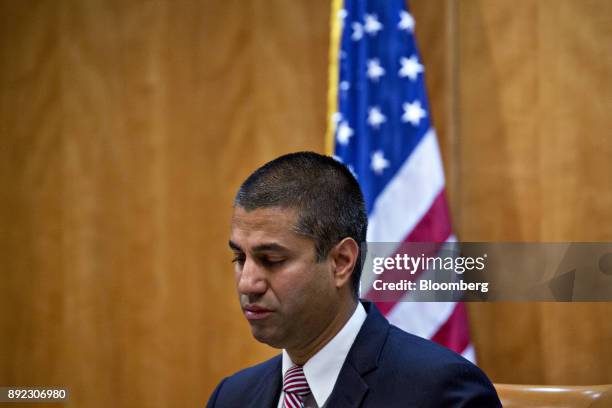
x=286 y=295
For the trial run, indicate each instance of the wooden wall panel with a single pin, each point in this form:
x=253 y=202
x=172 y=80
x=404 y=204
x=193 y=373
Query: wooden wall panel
x=534 y=102
x=30 y=176
x=114 y=224
x=126 y=126
x=252 y=94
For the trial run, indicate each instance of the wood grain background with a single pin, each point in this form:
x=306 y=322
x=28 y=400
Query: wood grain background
x=126 y=126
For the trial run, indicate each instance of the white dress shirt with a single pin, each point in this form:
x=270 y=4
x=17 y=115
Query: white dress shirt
x=322 y=369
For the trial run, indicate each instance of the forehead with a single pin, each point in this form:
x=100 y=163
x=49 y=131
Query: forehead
x=266 y=226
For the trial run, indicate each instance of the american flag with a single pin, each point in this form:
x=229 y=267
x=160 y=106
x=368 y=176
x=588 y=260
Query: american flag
x=380 y=127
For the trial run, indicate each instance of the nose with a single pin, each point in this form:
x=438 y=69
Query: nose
x=251 y=279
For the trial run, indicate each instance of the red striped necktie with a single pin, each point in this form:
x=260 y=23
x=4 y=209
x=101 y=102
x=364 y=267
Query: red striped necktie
x=295 y=387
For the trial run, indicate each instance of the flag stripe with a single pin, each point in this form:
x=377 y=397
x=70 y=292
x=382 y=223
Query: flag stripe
x=420 y=318
x=409 y=195
x=454 y=332
x=469 y=353
x=433 y=227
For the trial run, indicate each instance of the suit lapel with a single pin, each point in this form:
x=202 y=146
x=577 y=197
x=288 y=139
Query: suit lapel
x=268 y=390
x=349 y=390
x=351 y=386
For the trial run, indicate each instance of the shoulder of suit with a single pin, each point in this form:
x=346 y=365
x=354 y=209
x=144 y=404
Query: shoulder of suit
x=407 y=360
x=406 y=348
x=249 y=384
x=255 y=373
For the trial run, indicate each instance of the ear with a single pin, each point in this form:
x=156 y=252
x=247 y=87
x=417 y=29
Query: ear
x=344 y=257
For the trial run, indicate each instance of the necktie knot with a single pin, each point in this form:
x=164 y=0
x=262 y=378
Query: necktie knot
x=295 y=387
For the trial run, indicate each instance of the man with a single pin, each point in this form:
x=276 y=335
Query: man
x=297 y=226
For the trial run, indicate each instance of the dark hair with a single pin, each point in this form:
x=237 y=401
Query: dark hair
x=327 y=197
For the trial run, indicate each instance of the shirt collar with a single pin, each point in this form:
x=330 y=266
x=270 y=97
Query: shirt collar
x=322 y=369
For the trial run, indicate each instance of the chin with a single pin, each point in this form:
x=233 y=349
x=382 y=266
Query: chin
x=266 y=338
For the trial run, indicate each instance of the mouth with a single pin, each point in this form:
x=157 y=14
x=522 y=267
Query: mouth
x=254 y=312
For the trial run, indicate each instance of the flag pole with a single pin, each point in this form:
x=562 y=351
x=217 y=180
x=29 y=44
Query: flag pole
x=332 y=90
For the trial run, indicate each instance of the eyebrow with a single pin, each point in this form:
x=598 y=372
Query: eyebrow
x=234 y=246
x=260 y=248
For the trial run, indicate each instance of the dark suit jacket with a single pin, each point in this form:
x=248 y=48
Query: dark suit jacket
x=385 y=368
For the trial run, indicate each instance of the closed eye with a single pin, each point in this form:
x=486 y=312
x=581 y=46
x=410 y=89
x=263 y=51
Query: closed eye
x=238 y=259
x=272 y=262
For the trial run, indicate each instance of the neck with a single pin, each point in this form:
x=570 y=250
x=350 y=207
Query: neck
x=301 y=355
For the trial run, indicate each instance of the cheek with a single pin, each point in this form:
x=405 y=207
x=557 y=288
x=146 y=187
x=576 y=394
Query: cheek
x=304 y=285
x=291 y=284
x=288 y=291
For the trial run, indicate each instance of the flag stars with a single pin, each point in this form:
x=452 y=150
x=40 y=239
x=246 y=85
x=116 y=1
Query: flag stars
x=411 y=68
x=406 y=21
x=345 y=85
x=379 y=163
x=376 y=117
x=357 y=31
x=375 y=70
x=344 y=133
x=413 y=113
x=372 y=26
x=342 y=13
